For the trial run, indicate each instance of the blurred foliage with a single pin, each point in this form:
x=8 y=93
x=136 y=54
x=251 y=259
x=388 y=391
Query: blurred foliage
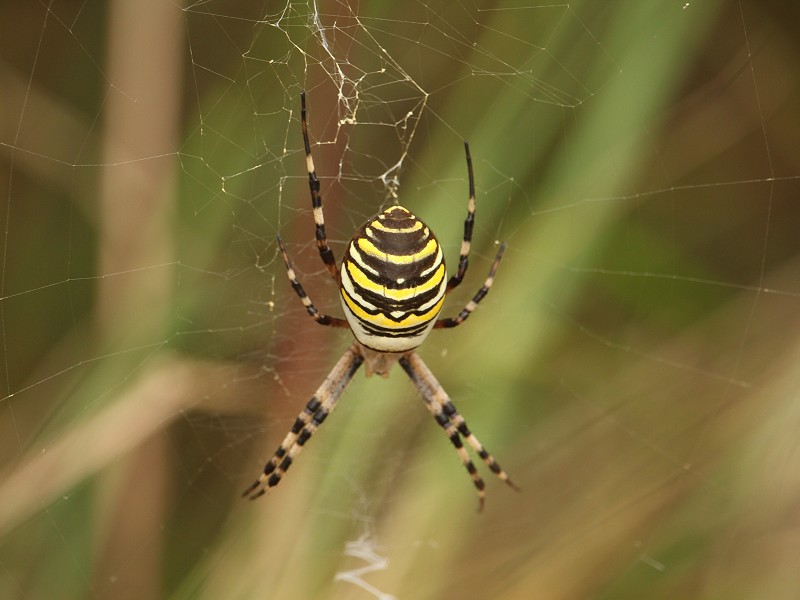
x=634 y=368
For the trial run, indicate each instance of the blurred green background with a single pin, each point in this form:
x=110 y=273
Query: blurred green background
x=634 y=368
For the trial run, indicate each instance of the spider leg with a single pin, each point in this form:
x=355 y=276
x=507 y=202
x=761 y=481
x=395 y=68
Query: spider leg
x=469 y=223
x=479 y=295
x=316 y=199
x=301 y=293
x=316 y=411
x=439 y=404
x=450 y=410
x=450 y=430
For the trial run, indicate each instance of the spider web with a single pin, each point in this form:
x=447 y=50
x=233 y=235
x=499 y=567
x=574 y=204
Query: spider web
x=633 y=369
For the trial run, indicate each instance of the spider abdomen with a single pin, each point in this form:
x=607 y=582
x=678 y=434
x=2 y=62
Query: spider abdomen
x=393 y=281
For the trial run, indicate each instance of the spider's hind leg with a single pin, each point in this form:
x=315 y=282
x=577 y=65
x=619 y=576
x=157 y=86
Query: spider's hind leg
x=460 y=423
x=450 y=420
x=316 y=411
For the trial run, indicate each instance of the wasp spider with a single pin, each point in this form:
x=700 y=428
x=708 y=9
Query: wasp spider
x=392 y=284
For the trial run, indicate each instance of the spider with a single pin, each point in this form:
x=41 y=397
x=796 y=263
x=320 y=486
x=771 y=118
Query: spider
x=392 y=284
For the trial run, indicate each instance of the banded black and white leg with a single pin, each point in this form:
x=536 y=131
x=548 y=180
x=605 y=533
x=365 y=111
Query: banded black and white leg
x=463 y=258
x=301 y=293
x=321 y=403
x=307 y=422
x=325 y=251
x=476 y=299
x=455 y=427
x=469 y=224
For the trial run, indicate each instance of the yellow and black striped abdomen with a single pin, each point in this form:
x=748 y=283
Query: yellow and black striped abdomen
x=393 y=281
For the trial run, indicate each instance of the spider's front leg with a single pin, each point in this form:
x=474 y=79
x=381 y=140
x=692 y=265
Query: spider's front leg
x=463 y=258
x=325 y=251
x=316 y=411
x=469 y=224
